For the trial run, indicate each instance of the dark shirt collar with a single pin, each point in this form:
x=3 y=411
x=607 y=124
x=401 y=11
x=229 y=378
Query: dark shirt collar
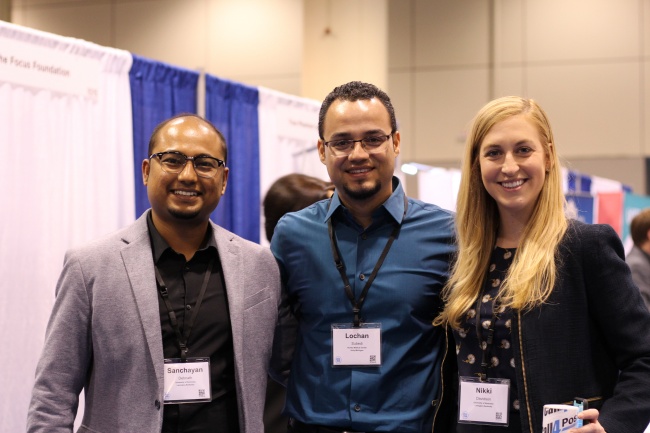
x=394 y=205
x=159 y=245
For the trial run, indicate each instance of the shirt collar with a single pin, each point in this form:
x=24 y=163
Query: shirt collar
x=394 y=205
x=159 y=245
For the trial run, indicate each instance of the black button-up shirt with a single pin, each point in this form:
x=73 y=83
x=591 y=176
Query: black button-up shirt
x=211 y=334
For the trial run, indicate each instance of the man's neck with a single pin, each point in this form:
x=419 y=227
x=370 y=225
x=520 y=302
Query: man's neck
x=645 y=248
x=184 y=238
x=362 y=210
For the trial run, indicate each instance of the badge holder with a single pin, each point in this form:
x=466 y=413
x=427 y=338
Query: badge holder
x=483 y=402
x=187 y=381
x=356 y=346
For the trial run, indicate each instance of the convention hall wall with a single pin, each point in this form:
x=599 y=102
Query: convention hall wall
x=586 y=61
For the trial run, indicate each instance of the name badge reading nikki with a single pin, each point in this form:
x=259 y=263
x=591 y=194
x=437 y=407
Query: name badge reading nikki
x=356 y=347
x=187 y=382
x=484 y=402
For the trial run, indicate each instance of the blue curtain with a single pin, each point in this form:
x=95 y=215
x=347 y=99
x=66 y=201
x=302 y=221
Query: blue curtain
x=158 y=91
x=232 y=107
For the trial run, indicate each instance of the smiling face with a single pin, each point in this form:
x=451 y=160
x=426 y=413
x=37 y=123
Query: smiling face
x=513 y=163
x=184 y=198
x=360 y=178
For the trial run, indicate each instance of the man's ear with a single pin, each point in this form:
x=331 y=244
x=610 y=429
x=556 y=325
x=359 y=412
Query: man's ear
x=397 y=138
x=146 y=166
x=321 y=150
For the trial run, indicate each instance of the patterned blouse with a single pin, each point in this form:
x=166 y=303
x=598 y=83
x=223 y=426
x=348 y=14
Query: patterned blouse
x=501 y=360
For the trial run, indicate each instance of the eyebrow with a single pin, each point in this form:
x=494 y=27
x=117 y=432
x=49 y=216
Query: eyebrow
x=348 y=135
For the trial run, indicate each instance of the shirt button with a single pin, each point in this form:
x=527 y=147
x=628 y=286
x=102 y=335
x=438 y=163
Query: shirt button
x=188 y=307
x=362 y=277
x=364 y=236
x=157 y=404
x=357 y=408
x=186 y=269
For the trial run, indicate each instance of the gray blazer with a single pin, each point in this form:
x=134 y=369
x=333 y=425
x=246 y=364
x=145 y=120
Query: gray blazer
x=104 y=335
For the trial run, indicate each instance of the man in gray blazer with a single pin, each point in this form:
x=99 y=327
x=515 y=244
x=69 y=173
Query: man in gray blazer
x=167 y=324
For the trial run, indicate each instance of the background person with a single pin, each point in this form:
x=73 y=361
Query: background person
x=638 y=259
x=393 y=254
x=547 y=303
x=289 y=193
x=163 y=294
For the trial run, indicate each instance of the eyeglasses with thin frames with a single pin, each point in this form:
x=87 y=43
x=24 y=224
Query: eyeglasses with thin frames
x=371 y=144
x=174 y=162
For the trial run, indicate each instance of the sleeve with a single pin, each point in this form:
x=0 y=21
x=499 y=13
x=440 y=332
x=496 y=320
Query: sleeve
x=641 y=277
x=616 y=307
x=63 y=367
x=286 y=330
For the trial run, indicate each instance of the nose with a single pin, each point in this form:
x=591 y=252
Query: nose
x=188 y=173
x=510 y=165
x=358 y=151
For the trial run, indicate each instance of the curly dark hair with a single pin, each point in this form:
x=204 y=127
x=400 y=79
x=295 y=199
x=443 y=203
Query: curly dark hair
x=354 y=91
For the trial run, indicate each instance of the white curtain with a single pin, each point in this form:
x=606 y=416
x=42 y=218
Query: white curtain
x=66 y=152
x=288 y=128
x=439 y=186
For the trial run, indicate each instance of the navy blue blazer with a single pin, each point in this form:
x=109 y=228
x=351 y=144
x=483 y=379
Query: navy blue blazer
x=591 y=339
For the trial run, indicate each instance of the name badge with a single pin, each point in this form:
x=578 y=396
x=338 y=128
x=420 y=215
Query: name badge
x=484 y=402
x=187 y=382
x=356 y=346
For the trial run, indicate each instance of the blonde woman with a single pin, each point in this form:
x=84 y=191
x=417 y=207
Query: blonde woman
x=543 y=309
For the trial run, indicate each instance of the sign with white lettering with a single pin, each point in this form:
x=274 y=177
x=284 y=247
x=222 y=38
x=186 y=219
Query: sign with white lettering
x=42 y=67
x=356 y=346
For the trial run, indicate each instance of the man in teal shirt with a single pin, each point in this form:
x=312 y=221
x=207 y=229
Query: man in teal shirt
x=362 y=275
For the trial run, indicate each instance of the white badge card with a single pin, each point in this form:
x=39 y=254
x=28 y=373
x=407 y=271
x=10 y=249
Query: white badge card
x=356 y=346
x=484 y=402
x=187 y=382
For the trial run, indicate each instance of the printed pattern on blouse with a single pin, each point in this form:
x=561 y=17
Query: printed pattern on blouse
x=471 y=338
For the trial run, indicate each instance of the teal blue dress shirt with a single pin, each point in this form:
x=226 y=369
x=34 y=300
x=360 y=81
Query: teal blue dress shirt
x=400 y=395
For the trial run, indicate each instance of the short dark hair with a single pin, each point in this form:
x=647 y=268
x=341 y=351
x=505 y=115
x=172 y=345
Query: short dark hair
x=354 y=91
x=639 y=227
x=156 y=130
x=291 y=193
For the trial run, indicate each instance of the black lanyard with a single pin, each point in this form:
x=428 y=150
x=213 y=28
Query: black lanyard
x=338 y=261
x=182 y=339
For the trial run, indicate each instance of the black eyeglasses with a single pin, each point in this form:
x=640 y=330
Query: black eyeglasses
x=174 y=162
x=371 y=144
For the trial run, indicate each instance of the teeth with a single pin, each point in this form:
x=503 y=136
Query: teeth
x=359 y=170
x=187 y=193
x=514 y=184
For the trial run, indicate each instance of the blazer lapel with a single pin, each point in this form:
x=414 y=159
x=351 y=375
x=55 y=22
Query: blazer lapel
x=233 y=270
x=138 y=261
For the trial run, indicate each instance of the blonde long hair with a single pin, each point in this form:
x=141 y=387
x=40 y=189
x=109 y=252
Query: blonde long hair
x=531 y=277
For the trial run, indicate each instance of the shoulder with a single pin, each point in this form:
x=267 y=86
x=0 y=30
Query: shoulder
x=431 y=213
x=583 y=233
x=597 y=241
x=228 y=240
x=109 y=244
x=304 y=220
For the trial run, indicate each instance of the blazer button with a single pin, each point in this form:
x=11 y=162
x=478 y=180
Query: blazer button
x=157 y=404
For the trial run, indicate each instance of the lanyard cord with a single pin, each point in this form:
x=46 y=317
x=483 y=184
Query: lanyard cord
x=340 y=266
x=164 y=293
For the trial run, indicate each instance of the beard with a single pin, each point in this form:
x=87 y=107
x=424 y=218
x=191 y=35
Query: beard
x=362 y=193
x=184 y=215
